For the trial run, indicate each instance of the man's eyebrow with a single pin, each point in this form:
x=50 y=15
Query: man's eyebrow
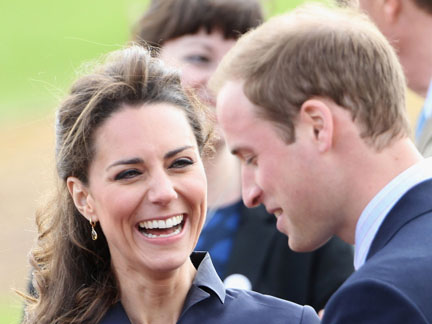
x=172 y=153
x=126 y=162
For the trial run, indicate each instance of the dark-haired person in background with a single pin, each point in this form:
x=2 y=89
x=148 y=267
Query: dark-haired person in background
x=246 y=248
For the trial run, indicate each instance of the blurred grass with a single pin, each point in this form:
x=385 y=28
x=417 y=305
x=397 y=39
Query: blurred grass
x=44 y=42
x=10 y=311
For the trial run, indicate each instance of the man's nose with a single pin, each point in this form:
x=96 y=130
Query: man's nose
x=251 y=191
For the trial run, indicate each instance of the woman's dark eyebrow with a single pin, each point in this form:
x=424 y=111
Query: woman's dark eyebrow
x=126 y=162
x=172 y=153
x=168 y=155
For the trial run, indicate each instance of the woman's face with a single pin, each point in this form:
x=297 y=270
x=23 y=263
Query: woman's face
x=197 y=55
x=147 y=188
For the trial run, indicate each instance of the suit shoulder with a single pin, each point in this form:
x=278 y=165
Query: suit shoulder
x=265 y=307
x=370 y=300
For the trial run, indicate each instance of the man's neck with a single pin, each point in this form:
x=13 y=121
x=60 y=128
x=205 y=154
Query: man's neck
x=373 y=171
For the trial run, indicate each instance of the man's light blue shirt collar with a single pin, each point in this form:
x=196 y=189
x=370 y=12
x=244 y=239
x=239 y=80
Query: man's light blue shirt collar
x=375 y=212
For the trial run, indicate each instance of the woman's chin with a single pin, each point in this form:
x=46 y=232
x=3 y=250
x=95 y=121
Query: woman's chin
x=168 y=263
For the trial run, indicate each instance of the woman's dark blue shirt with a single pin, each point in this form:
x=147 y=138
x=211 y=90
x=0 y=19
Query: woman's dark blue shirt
x=209 y=302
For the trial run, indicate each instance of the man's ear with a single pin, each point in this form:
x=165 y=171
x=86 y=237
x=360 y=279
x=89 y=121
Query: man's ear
x=82 y=198
x=318 y=117
x=391 y=10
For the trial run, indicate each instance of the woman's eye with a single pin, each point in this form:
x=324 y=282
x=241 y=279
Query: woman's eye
x=197 y=59
x=127 y=174
x=181 y=163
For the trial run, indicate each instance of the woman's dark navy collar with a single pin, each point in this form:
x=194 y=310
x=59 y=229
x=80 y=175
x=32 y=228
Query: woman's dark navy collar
x=206 y=283
x=206 y=277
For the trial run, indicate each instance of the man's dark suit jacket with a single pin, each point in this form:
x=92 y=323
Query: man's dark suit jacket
x=395 y=284
x=262 y=254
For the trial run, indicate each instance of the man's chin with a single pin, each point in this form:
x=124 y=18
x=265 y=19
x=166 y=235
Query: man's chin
x=298 y=247
x=304 y=246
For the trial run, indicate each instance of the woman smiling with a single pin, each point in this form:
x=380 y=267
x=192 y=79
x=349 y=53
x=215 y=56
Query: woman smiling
x=115 y=243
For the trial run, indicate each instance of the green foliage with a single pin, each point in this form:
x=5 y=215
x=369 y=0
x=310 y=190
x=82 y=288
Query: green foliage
x=10 y=312
x=275 y=7
x=44 y=42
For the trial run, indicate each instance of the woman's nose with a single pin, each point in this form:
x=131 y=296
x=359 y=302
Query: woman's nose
x=161 y=189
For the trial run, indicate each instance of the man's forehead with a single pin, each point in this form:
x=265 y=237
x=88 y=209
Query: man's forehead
x=229 y=89
x=231 y=100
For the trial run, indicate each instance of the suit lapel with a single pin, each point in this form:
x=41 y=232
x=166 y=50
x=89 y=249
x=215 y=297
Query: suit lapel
x=414 y=203
x=252 y=243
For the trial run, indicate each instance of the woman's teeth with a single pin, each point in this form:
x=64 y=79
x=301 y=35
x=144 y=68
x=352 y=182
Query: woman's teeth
x=161 y=228
x=149 y=235
x=167 y=223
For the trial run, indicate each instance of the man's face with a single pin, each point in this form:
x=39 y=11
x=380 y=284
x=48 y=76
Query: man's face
x=287 y=178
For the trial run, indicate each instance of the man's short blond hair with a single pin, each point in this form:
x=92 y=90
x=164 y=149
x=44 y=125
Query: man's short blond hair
x=318 y=51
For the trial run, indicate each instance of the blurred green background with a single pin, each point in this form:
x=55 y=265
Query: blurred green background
x=42 y=44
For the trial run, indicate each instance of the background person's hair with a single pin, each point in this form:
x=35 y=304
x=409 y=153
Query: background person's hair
x=425 y=5
x=72 y=273
x=169 y=19
x=347 y=3
x=317 y=51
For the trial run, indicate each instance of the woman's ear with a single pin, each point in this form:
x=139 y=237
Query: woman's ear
x=81 y=198
x=317 y=116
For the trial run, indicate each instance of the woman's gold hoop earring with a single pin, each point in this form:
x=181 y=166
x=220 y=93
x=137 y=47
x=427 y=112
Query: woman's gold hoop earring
x=93 y=231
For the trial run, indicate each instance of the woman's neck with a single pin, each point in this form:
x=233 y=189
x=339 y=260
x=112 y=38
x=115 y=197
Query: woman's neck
x=223 y=178
x=156 y=300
